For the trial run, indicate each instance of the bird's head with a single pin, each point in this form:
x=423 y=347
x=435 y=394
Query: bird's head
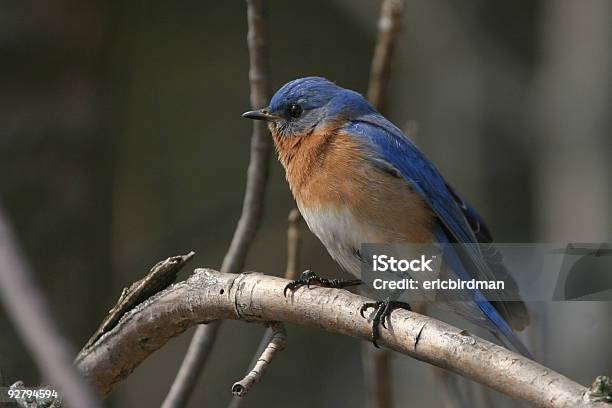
x=301 y=106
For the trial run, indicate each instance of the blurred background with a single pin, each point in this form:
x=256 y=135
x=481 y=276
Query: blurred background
x=121 y=144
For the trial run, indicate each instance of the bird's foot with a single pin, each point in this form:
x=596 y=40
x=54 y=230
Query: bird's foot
x=382 y=312
x=308 y=278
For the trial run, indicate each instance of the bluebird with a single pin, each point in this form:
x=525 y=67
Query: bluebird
x=357 y=179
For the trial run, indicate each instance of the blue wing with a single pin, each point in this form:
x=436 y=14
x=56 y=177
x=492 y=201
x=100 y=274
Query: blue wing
x=457 y=222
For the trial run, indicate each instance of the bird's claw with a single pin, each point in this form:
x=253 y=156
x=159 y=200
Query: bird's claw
x=382 y=314
x=305 y=280
x=366 y=306
x=308 y=278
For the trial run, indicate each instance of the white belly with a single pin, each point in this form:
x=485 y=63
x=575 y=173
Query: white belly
x=341 y=234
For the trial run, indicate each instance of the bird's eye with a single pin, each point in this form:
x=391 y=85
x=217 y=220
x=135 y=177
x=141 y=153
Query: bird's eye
x=295 y=110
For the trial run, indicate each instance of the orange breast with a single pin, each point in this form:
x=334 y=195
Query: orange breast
x=327 y=170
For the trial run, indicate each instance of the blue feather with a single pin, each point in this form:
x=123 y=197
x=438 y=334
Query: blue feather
x=452 y=258
x=456 y=218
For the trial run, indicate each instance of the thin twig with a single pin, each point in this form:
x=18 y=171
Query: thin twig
x=187 y=377
x=377 y=363
x=294 y=238
x=27 y=307
x=210 y=295
x=377 y=376
x=236 y=401
x=389 y=27
x=277 y=343
x=252 y=207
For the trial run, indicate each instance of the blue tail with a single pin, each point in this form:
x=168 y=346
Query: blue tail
x=503 y=330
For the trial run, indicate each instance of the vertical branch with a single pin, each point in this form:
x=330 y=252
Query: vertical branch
x=28 y=308
x=378 y=380
x=252 y=207
x=193 y=363
x=261 y=142
x=294 y=239
x=377 y=364
x=389 y=27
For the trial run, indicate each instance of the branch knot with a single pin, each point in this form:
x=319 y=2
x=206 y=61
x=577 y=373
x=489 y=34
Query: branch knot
x=600 y=390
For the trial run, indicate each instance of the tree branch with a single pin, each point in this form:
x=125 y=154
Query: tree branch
x=252 y=206
x=261 y=142
x=294 y=238
x=275 y=344
x=377 y=376
x=209 y=295
x=377 y=363
x=28 y=308
x=159 y=277
x=389 y=27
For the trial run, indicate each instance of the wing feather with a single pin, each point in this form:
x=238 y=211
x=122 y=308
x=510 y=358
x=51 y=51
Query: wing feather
x=459 y=222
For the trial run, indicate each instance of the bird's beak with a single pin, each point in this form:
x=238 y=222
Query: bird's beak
x=261 y=114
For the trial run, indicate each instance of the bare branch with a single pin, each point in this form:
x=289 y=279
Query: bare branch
x=159 y=278
x=209 y=295
x=293 y=249
x=261 y=142
x=294 y=239
x=377 y=363
x=294 y=220
x=389 y=27
x=377 y=375
x=30 y=313
x=252 y=207
x=236 y=400
x=203 y=341
x=276 y=344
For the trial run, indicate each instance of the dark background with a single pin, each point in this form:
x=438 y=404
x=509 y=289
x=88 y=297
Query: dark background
x=121 y=143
